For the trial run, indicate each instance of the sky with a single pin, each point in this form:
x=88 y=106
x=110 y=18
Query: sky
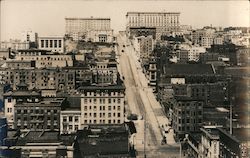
x=47 y=17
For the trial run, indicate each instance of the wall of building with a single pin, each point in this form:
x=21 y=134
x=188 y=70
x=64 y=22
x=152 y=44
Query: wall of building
x=165 y=22
x=54 y=44
x=78 y=27
x=102 y=108
x=70 y=121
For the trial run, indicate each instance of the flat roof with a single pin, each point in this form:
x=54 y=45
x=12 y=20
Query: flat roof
x=91 y=18
x=153 y=13
x=102 y=87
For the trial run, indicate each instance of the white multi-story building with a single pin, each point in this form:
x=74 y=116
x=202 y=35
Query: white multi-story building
x=203 y=37
x=102 y=104
x=78 y=27
x=52 y=43
x=218 y=40
x=14 y=44
x=70 y=121
x=210 y=142
x=40 y=59
x=29 y=36
x=164 y=22
x=105 y=36
x=144 y=46
x=194 y=53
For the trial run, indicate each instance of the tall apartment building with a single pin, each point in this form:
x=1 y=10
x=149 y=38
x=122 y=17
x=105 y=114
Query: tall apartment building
x=102 y=104
x=43 y=115
x=78 y=27
x=52 y=43
x=29 y=36
x=41 y=58
x=187 y=115
x=14 y=44
x=210 y=141
x=203 y=37
x=12 y=98
x=195 y=52
x=164 y=22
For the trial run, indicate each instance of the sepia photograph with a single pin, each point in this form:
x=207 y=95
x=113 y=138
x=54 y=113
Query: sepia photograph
x=124 y=79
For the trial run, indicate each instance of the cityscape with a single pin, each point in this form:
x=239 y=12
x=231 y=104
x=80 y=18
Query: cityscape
x=159 y=88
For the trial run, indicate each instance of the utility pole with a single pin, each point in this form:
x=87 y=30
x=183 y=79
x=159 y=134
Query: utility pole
x=231 y=115
x=180 y=149
x=145 y=124
x=231 y=119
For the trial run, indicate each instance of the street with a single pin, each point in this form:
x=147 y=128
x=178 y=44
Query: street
x=141 y=101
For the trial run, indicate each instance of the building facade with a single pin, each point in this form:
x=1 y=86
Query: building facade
x=70 y=121
x=203 y=37
x=210 y=142
x=14 y=44
x=77 y=28
x=29 y=36
x=102 y=104
x=187 y=116
x=142 y=31
x=43 y=115
x=104 y=36
x=41 y=58
x=164 y=22
x=53 y=44
x=195 y=52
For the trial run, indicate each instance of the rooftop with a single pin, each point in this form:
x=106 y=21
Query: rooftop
x=103 y=87
x=153 y=13
x=189 y=69
x=103 y=140
x=38 y=137
x=91 y=18
x=19 y=93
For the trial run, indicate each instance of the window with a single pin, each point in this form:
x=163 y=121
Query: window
x=118 y=114
x=100 y=107
x=114 y=100
x=70 y=118
x=94 y=114
x=109 y=121
x=109 y=100
x=114 y=107
x=55 y=43
x=109 y=108
x=119 y=108
x=85 y=101
x=70 y=127
x=109 y=114
x=119 y=101
x=50 y=43
x=42 y=43
x=76 y=127
x=113 y=114
x=64 y=119
x=9 y=100
x=46 y=43
x=76 y=119
x=60 y=43
x=94 y=108
x=85 y=108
